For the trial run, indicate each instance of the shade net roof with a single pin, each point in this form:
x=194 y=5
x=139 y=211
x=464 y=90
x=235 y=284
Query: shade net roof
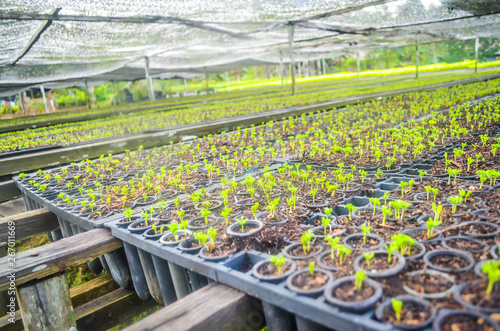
x=107 y=40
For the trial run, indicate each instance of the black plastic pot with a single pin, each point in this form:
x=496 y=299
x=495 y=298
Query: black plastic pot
x=457 y=295
x=445 y=314
x=319 y=231
x=204 y=256
x=494 y=251
x=288 y=248
x=274 y=278
x=423 y=229
x=311 y=292
x=422 y=252
x=430 y=255
x=424 y=304
x=358 y=306
x=262 y=217
x=445 y=241
x=495 y=229
x=150 y=234
x=255 y=226
x=185 y=246
x=381 y=274
x=439 y=295
x=134 y=229
x=212 y=220
x=181 y=235
x=380 y=244
x=322 y=265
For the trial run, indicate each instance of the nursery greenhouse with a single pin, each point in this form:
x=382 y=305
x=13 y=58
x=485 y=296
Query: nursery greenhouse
x=250 y=165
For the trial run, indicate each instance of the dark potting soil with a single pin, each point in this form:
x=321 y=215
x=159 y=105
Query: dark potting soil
x=306 y=281
x=299 y=250
x=429 y=284
x=248 y=227
x=462 y=323
x=270 y=269
x=476 y=295
x=347 y=292
x=465 y=245
x=412 y=314
x=449 y=261
x=357 y=242
x=380 y=263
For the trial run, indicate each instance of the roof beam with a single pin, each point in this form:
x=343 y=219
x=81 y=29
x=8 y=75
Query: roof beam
x=118 y=19
x=36 y=36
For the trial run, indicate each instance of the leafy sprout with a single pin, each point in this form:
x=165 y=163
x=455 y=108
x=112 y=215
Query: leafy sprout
x=360 y=278
x=278 y=261
x=397 y=306
x=368 y=257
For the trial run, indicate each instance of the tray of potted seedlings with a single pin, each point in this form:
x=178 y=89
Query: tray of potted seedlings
x=358 y=224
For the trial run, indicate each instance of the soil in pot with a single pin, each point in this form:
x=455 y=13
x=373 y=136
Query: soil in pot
x=429 y=283
x=299 y=251
x=270 y=269
x=379 y=263
x=305 y=281
x=448 y=261
x=465 y=322
x=475 y=294
x=356 y=242
x=412 y=314
x=347 y=292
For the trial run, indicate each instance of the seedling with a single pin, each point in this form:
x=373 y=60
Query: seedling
x=212 y=233
x=435 y=192
x=386 y=211
x=205 y=213
x=428 y=189
x=278 y=262
x=492 y=269
x=431 y=224
x=368 y=257
x=242 y=222
x=360 y=278
x=272 y=207
x=376 y=202
x=455 y=200
x=366 y=231
x=306 y=241
x=342 y=250
x=174 y=227
x=351 y=208
x=333 y=244
x=226 y=213
x=437 y=211
x=156 y=230
x=393 y=247
x=202 y=238
x=254 y=208
x=386 y=195
x=128 y=214
x=422 y=174
x=180 y=214
x=397 y=306
x=311 y=268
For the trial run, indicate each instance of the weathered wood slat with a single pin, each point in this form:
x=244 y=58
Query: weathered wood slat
x=100 y=314
x=35 y=161
x=214 y=307
x=45 y=305
x=28 y=224
x=8 y=191
x=92 y=290
x=53 y=258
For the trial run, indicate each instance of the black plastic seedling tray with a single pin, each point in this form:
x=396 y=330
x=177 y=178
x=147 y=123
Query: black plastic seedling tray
x=276 y=296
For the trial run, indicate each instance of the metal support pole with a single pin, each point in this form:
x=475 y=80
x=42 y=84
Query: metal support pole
x=185 y=84
x=281 y=70
x=434 y=53
x=206 y=79
x=358 y=65
x=118 y=99
x=477 y=54
x=113 y=93
x=21 y=103
x=87 y=92
x=44 y=99
x=291 y=28
x=227 y=81
x=417 y=55
x=149 y=81
x=323 y=65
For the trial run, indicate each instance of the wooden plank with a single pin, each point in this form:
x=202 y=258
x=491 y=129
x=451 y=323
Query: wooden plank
x=214 y=307
x=92 y=290
x=53 y=258
x=28 y=224
x=45 y=305
x=122 y=309
x=35 y=161
x=8 y=209
x=8 y=191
